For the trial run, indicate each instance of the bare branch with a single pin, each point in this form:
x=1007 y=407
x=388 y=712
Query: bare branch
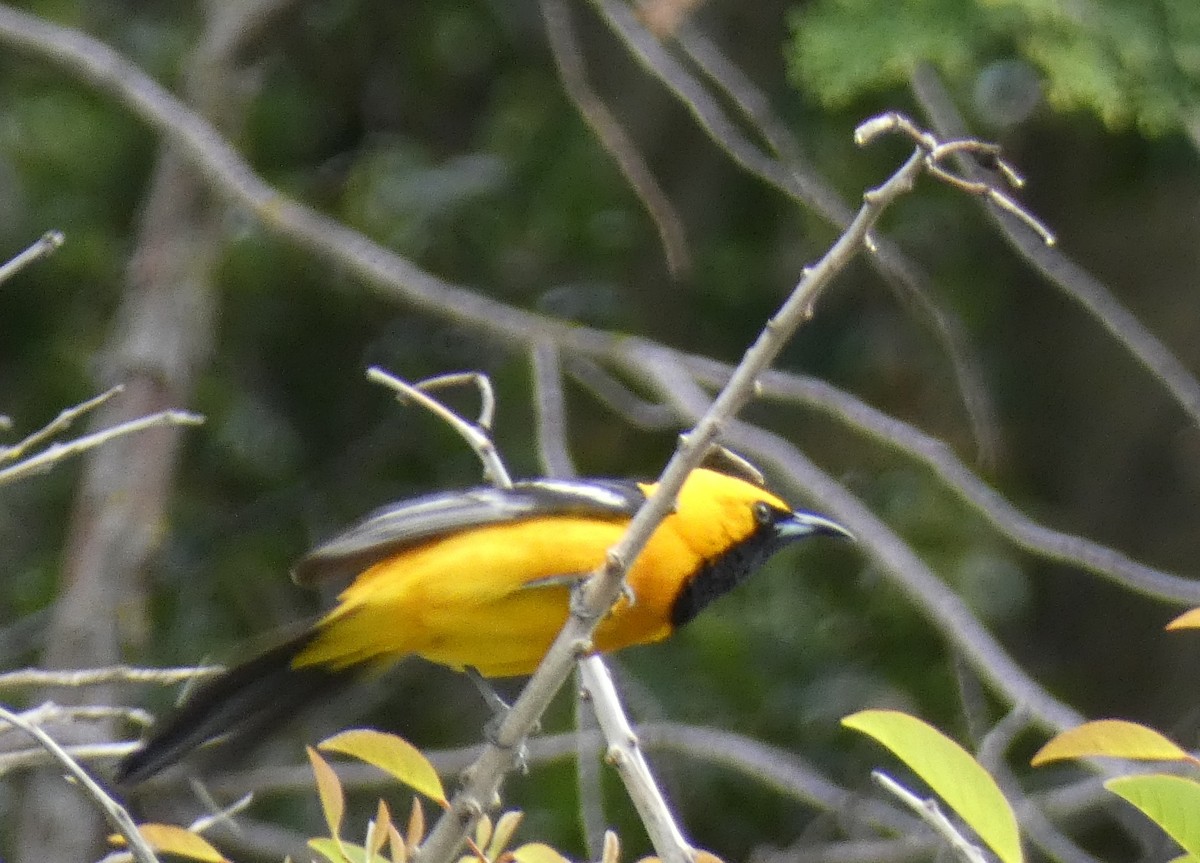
x=957 y=477
x=600 y=591
x=55 y=453
x=619 y=398
x=1065 y=274
x=549 y=405
x=25 y=759
x=929 y=812
x=937 y=152
x=60 y=423
x=49 y=713
x=800 y=183
x=588 y=778
x=479 y=441
x=116 y=814
x=112 y=674
x=568 y=58
x=624 y=753
x=41 y=248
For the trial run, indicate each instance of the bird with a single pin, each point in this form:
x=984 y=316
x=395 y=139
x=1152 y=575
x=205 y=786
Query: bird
x=480 y=580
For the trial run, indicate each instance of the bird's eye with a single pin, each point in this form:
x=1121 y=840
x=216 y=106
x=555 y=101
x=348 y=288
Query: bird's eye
x=762 y=512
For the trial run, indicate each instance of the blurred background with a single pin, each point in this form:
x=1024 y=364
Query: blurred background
x=444 y=132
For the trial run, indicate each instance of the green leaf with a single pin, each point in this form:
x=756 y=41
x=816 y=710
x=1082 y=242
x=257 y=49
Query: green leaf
x=1113 y=738
x=391 y=754
x=951 y=772
x=1171 y=802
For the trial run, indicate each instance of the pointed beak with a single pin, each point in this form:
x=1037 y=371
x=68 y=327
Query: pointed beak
x=801 y=524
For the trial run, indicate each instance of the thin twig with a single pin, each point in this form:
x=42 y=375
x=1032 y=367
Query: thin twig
x=49 y=712
x=41 y=248
x=1067 y=275
x=223 y=815
x=625 y=754
x=25 y=759
x=55 y=453
x=472 y=433
x=116 y=814
x=937 y=151
x=600 y=591
x=568 y=58
x=802 y=185
x=112 y=674
x=929 y=812
x=60 y=423
x=549 y=405
x=588 y=778
x=481 y=382
x=615 y=395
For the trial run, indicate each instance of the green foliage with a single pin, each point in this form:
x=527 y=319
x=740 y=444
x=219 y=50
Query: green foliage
x=951 y=772
x=1130 y=62
x=1169 y=801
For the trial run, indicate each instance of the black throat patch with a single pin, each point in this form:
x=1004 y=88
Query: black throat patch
x=719 y=576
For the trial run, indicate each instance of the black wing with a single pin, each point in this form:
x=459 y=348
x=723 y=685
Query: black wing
x=402 y=525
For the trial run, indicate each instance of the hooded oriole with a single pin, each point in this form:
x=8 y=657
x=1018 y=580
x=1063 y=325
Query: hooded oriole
x=481 y=578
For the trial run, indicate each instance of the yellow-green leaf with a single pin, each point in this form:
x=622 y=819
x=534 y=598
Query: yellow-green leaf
x=1114 y=738
x=1171 y=802
x=329 y=789
x=951 y=772
x=483 y=831
x=391 y=754
x=537 y=852
x=342 y=852
x=1187 y=620
x=170 y=839
x=502 y=834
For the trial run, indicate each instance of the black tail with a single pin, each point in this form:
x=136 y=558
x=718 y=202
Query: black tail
x=249 y=699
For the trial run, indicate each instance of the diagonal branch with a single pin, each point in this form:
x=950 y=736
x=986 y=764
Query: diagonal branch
x=1064 y=273
x=601 y=590
x=793 y=178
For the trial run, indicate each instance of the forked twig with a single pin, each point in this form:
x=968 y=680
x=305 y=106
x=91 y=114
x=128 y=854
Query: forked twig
x=475 y=434
x=936 y=152
x=606 y=584
x=623 y=751
x=60 y=423
x=53 y=454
